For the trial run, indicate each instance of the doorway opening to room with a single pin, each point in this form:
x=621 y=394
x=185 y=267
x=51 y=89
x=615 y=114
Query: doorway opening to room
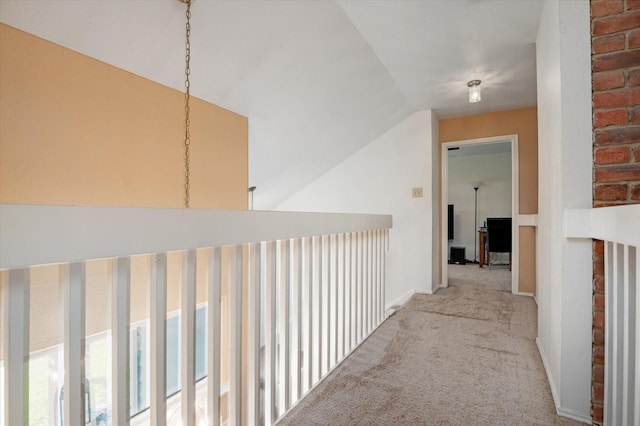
x=480 y=191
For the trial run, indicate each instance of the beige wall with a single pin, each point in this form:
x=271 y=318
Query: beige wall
x=76 y=131
x=524 y=123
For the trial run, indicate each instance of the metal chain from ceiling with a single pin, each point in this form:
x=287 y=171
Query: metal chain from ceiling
x=187 y=97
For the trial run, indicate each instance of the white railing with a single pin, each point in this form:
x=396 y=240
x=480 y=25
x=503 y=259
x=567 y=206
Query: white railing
x=619 y=228
x=287 y=297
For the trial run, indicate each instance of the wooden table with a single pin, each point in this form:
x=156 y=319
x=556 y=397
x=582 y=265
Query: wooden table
x=482 y=237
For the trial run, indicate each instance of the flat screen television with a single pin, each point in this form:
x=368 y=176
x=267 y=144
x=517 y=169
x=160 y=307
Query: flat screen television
x=450 y=222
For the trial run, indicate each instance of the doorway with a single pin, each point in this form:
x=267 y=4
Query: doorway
x=490 y=145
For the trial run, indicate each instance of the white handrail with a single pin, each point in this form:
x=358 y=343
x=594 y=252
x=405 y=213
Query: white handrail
x=39 y=235
x=619 y=224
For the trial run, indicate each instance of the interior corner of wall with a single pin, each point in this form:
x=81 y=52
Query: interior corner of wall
x=547 y=369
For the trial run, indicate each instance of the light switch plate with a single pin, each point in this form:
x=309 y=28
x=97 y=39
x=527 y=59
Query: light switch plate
x=417 y=192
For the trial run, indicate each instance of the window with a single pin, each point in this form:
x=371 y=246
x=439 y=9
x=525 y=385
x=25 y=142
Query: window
x=138 y=381
x=46 y=372
x=140 y=358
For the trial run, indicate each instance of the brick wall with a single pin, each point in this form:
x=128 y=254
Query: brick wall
x=615 y=64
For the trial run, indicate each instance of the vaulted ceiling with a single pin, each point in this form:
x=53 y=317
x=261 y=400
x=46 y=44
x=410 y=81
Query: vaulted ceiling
x=318 y=79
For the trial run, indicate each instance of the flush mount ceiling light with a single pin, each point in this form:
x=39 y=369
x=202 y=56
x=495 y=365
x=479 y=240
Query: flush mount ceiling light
x=474 y=91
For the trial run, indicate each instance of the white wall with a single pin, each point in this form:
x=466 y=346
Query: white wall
x=493 y=171
x=379 y=179
x=564 y=267
x=436 y=278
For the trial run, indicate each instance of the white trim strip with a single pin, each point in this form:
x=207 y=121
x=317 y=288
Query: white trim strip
x=270 y=277
x=235 y=337
x=369 y=266
x=307 y=314
x=214 y=279
x=158 y=338
x=365 y=284
x=614 y=335
x=361 y=288
x=627 y=339
x=608 y=325
x=333 y=301
x=15 y=300
x=284 y=253
x=376 y=303
x=381 y=308
x=622 y=402
x=188 y=336
x=74 y=283
x=358 y=289
x=384 y=268
x=636 y=392
x=326 y=303
x=353 y=284
x=253 y=338
x=296 y=329
x=316 y=300
x=347 y=293
x=340 y=297
x=120 y=306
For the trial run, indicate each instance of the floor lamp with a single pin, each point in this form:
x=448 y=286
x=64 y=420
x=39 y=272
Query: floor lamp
x=251 y=189
x=475 y=224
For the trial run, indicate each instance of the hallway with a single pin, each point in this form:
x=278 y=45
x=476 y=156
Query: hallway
x=464 y=356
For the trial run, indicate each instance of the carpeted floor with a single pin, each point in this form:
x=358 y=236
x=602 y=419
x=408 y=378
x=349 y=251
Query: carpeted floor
x=464 y=356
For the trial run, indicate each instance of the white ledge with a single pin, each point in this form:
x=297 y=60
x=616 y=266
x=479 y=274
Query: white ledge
x=619 y=224
x=528 y=220
x=37 y=235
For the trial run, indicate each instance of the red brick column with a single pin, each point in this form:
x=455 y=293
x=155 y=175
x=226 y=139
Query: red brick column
x=615 y=64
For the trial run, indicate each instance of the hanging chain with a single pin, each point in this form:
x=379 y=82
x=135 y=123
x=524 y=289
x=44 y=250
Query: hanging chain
x=187 y=97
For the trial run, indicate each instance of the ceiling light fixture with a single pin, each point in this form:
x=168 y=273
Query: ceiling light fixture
x=474 y=91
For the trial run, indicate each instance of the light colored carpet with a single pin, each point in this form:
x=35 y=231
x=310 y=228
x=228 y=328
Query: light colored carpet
x=464 y=356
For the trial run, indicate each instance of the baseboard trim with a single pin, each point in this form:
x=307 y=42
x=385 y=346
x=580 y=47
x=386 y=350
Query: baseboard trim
x=401 y=300
x=391 y=309
x=573 y=416
x=552 y=384
x=430 y=292
x=521 y=293
x=554 y=392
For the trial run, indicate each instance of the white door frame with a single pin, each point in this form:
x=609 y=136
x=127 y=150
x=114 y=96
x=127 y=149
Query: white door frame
x=515 y=203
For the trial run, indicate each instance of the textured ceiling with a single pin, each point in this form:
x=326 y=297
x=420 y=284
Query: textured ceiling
x=317 y=79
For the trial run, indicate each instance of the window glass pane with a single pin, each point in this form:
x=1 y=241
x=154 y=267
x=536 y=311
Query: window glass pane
x=173 y=354
x=201 y=335
x=139 y=334
x=137 y=369
x=98 y=372
x=39 y=411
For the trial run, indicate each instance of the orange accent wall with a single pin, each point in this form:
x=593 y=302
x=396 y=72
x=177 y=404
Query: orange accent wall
x=524 y=123
x=76 y=131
